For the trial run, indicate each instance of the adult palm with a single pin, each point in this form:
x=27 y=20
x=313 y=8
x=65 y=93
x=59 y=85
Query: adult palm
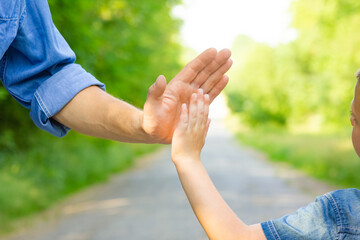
x=163 y=105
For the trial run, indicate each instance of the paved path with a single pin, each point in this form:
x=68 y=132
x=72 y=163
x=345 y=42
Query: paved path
x=147 y=202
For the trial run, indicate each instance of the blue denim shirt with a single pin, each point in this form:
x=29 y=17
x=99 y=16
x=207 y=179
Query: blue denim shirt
x=37 y=65
x=335 y=215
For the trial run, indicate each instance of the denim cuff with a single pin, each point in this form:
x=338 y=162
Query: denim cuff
x=55 y=93
x=270 y=231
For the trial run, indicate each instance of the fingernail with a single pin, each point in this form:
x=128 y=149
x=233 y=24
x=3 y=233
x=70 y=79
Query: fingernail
x=194 y=96
x=207 y=97
x=201 y=91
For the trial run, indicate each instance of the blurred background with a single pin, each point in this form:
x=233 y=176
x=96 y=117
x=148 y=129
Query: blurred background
x=289 y=94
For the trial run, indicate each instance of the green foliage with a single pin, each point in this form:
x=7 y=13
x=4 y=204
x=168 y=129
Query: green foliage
x=325 y=156
x=37 y=178
x=309 y=78
x=3 y=94
x=125 y=44
x=304 y=88
x=256 y=91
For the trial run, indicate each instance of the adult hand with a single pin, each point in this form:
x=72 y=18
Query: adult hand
x=163 y=105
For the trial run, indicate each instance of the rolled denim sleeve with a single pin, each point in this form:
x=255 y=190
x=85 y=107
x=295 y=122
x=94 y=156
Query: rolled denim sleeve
x=335 y=215
x=54 y=93
x=39 y=70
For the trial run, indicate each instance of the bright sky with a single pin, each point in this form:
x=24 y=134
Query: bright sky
x=216 y=23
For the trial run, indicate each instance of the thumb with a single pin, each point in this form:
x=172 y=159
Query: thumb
x=157 y=89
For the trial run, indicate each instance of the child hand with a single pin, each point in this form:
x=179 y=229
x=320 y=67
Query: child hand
x=190 y=133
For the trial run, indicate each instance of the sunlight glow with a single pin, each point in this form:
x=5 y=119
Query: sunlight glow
x=214 y=23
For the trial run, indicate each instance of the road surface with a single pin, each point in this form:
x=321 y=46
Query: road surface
x=147 y=202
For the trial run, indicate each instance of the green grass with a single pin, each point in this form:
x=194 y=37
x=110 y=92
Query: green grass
x=33 y=179
x=329 y=157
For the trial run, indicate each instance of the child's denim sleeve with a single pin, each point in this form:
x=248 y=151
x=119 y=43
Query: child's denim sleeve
x=37 y=65
x=335 y=215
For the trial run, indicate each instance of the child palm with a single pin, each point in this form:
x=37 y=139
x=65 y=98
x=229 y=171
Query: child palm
x=190 y=133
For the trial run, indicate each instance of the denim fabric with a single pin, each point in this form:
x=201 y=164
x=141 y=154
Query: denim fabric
x=37 y=65
x=335 y=215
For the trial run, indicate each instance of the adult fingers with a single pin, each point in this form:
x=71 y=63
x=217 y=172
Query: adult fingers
x=221 y=58
x=216 y=90
x=216 y=76
x=157 y=89
x=193 y=68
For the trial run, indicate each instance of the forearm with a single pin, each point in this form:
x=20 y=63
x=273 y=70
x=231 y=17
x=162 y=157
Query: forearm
x=216 y=217
x=96 y=113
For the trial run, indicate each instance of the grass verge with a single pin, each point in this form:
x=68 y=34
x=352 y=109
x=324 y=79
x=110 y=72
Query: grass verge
x=326 y=156
x=33 y=179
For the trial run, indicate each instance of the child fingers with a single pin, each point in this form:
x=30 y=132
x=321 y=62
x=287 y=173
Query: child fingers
x=192 y=110
x=184 y=118
x=200 y=109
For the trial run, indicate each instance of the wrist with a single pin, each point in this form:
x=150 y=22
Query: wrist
x=154 y=130
x=183 y=162
x=124 y=122
x=147 y=138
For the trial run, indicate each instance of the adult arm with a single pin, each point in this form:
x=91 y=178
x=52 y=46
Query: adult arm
x=215 y=216
x=38 y=70
x=96 y=113
x=37 y=65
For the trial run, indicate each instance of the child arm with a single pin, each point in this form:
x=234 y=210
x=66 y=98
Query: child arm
x=215 y=216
